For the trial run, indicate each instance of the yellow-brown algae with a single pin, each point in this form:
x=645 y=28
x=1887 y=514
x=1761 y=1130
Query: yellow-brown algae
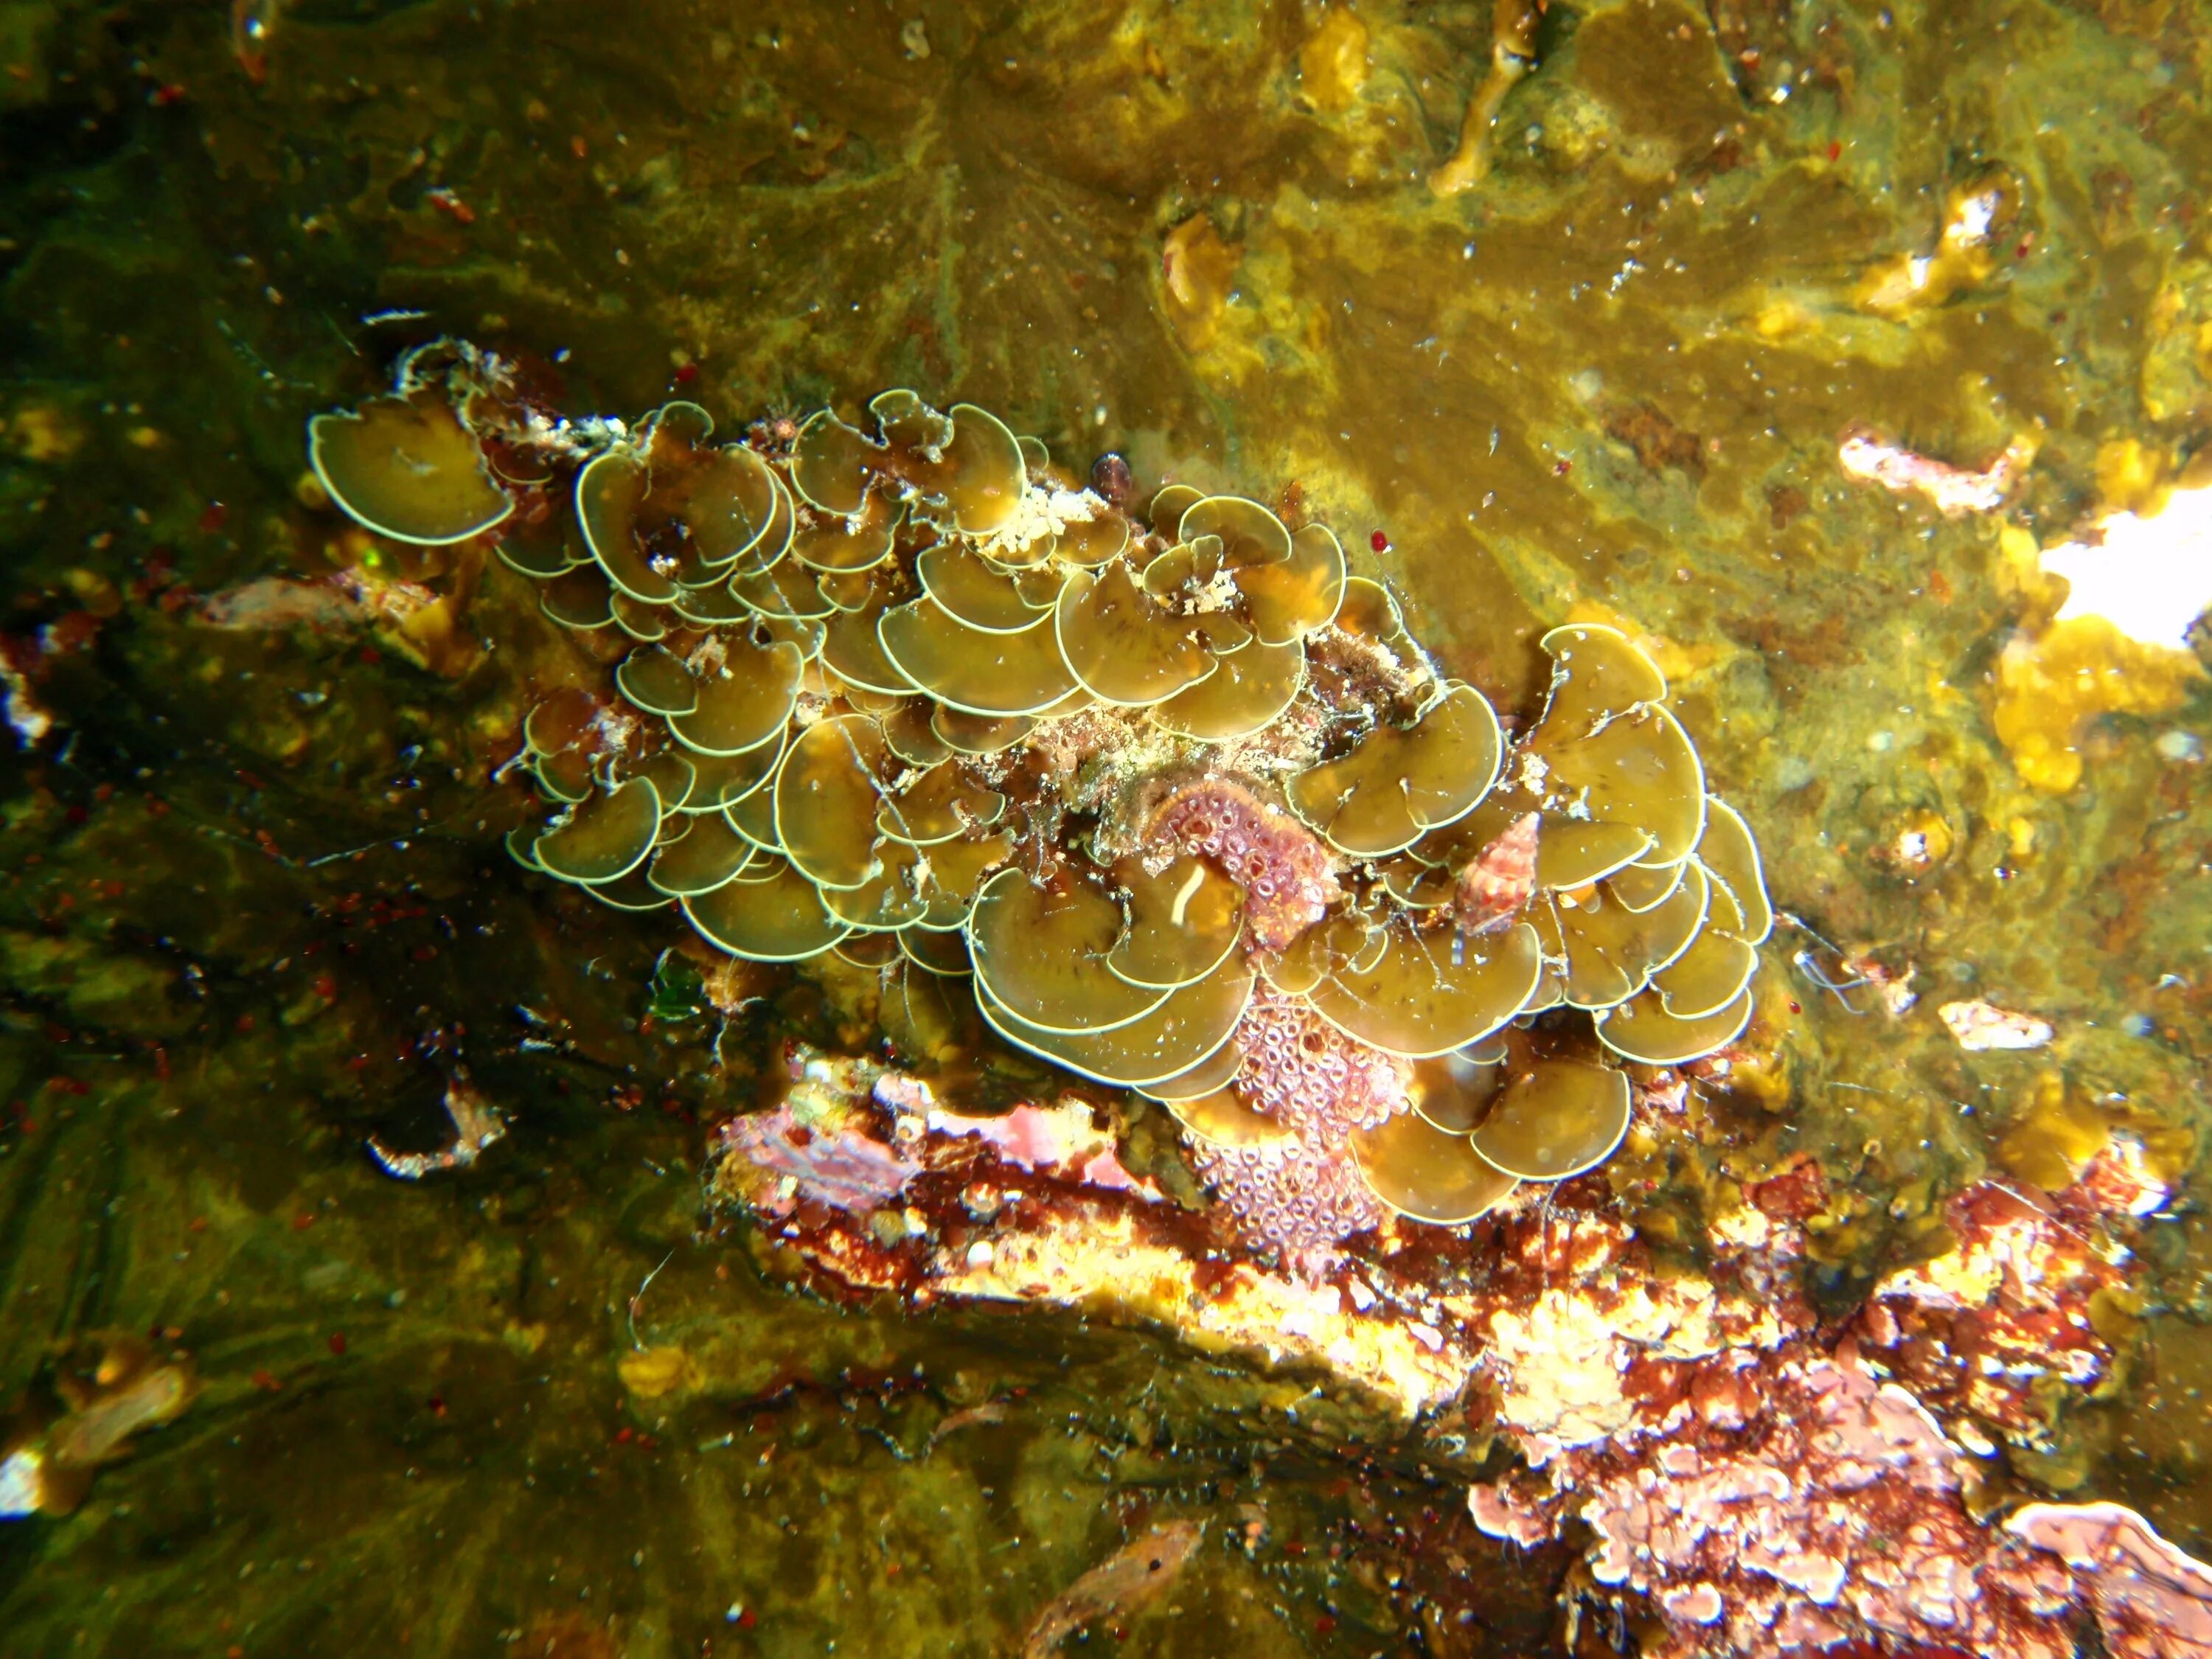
x=1172 y=798
x=1512 y=55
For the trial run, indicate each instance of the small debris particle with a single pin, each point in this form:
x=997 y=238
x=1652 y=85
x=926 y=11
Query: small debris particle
x=1977 y=1026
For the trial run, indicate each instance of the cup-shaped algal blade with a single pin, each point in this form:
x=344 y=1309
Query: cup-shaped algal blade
x=826 y=798
x=702 y=508
x=566 y=776
x=832 y=463
x=1369 y=609
x=1216 y=1072
x=1403 y=781
x=979 y=475
x=674 y=777
x=1573 y=853
x=1452 y=1090
x=1706 y=978
x=962 y=733
x=942 y=953
x=408 y=469
x=543 y=551
x=907 y=730
x=726 y=501
x=1186 y=1027
x=1641 y=1028
x=978 y=673
x=1612 y=951
x=1318 y=950
x=1555 y=1118
x=702 y=860
x=968 y=589
x=889 y=897
x=808 y=634
x=941 y=803
x=638 y=619
x=719 y=779
x=854 y=650
x=1040 y=952
x=1730 y=856
x=1426 y=1174
x=1428 y=993
x=1638 y=769
x=745 y=703
x=910 y=428
x=856 y=590
x=1225 y=1118
x=606 y=836
x=776 y=541
x=1288 y=600
x=611 y=496
x=1167 y=508
x=770 y=913
x=1596 y=674
x=711 y=607
x=1644 y=886
x=868 y=950
x=1183 y=922
x=657 y=682
x=1121 y=646
x=954 y=871
x=860 y=543
x=1091 y=541
x=1250 y=535
x=631 y=892
x=753 y=814
x=789 y=589
x=1247 y=692
x=565 y=718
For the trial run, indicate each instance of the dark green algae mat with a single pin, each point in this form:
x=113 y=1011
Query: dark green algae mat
x=256 y=910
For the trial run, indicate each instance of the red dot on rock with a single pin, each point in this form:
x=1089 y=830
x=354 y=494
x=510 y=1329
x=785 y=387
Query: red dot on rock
x=1379 y=542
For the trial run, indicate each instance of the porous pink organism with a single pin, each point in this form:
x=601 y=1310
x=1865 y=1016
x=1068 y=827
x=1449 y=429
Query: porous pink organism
x=1303 y=1198
x=1305 y=1195
x=1300 y=1068
x=1499 y=881
x=1282 y=865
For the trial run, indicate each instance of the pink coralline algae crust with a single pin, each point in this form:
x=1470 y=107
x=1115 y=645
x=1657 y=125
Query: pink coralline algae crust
x=2150 y=1600
x=1055 y=1139
x=1281 y=865
x=848 y=1169
x=1834 y=1515
x=1766 y=1487
x=1499 y=881
x=1980 y=1331
x=1790 y=1501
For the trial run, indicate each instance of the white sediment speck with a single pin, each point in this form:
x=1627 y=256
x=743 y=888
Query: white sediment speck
x=1975 y=1026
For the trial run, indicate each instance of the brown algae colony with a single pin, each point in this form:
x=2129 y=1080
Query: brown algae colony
x=1176 y=797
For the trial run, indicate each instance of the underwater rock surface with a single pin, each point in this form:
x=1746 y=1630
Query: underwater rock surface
x=1847 y=364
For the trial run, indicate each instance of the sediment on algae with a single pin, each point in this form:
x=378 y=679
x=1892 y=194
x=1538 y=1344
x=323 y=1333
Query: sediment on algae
x=1175 y=798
